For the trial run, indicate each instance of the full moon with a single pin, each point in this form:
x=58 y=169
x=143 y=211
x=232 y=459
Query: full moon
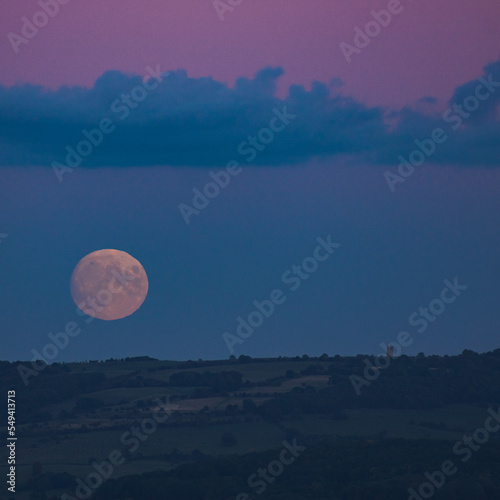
x=109 y=284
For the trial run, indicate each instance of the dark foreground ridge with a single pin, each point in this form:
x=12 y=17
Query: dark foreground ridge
x=297 y=428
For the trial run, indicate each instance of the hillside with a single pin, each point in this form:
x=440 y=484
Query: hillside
x=175 y=416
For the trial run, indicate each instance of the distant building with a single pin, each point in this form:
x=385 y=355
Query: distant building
x=390 y=351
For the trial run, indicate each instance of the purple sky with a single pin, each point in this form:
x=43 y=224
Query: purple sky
x=322 y=175
x=426 y=50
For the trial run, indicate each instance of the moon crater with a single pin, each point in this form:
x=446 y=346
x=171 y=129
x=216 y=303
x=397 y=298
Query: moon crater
x=109 y=284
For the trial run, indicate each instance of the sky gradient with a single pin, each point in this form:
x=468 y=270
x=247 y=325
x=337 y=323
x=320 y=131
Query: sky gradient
x=324 y=174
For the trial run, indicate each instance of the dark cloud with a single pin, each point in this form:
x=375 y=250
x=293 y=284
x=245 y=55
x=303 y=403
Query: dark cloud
x=201 y=122
x=486 y=113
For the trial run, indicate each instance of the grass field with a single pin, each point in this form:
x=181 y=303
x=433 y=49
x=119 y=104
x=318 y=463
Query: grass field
x=255 y=372
x=71 y=452
x=57 y=446
x=396 y=423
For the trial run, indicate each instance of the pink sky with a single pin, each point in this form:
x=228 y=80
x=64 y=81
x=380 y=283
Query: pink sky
x=427 y=49
x=396 y=247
